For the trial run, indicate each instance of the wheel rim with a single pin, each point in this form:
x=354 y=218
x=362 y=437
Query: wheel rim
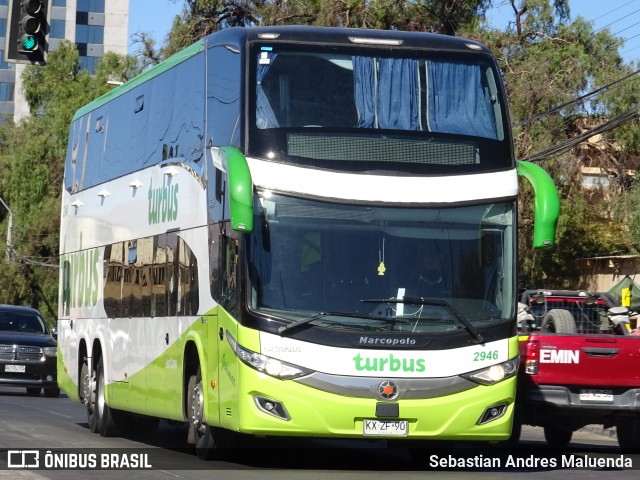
x=90 y=393
x=197 y=409
x=100 y=394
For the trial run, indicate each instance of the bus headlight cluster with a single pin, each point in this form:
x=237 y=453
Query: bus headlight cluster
x=495 y=373
x=265 y=364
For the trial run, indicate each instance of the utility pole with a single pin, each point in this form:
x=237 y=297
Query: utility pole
x=9 y=229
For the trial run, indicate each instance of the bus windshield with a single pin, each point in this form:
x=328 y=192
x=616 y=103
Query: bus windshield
x=376 y=108
x=352 y=265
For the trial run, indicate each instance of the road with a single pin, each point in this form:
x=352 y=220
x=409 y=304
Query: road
x=59 y=425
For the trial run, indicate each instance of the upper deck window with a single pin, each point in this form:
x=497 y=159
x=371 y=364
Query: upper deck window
x=300 y=90
x=368 y=105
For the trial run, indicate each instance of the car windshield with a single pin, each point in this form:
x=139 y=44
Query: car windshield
x=379 y=268
x=21 y=322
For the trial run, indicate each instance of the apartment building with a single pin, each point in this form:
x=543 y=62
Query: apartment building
x=95 y=26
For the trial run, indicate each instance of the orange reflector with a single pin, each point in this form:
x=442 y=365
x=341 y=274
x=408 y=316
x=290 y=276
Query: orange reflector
x=213 y=384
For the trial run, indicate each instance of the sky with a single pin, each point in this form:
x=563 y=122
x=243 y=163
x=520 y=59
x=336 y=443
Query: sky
x=622 y=17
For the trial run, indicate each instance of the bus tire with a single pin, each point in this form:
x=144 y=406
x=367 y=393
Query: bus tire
x=33 y=391
x=106 y=421
x=629 y=435
x=88 y=393
x=556 y=436
x=558 y=320
x=200 y=433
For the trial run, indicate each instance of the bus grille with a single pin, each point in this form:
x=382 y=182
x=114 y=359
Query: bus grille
x=345 y=148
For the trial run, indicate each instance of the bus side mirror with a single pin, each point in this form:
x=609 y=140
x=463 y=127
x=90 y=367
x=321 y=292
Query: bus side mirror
x=240 y=188
x=547 y=204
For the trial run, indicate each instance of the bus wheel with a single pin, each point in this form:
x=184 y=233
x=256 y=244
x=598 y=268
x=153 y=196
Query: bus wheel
x=88 y=393
x=106 y=424
x=199 y=432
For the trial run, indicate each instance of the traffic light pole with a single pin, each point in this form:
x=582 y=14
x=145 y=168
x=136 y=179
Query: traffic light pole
x=9 y=229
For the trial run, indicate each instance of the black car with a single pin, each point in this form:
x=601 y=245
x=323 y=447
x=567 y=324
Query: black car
x=28 y=351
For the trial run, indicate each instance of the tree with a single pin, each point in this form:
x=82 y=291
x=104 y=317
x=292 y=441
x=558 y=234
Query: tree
x=32 y=155
x=203 y=17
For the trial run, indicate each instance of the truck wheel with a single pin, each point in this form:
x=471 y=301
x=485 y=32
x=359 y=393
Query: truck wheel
x=629 y=435
x=558 y=320
x=556 y=436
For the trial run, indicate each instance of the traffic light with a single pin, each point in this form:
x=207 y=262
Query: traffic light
x=27 y=35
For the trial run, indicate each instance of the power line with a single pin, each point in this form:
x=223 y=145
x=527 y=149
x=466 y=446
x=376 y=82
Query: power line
x=616 y=21
x=614 y=10
x=577 y=100
x=572 y=142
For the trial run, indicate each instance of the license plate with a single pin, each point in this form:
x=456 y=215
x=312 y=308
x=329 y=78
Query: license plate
x=394 y=428
x=596 y=396
x=14 y=368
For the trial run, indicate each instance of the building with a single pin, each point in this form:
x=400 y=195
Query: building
x=87 y=23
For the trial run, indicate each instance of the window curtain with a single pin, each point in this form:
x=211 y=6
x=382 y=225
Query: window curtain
x=387 y=96
x=458 y=103
x=364 y=78
x=265 y=117
x=399 y=94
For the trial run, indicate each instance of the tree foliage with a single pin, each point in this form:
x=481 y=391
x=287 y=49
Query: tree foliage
x=32 y=155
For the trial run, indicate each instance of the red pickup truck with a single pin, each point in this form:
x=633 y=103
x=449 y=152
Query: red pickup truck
x=579 y=366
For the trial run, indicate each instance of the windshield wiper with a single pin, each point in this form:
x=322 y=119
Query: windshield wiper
x=468 y=326
x=293 y=325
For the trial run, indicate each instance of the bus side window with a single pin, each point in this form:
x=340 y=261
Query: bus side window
x=229 y=274
x=224 y=81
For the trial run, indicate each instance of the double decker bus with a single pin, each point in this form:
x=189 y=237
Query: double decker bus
x=297 y=231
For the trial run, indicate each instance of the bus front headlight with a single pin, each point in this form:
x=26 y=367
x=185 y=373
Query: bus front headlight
x=265 y=364
x=494 y=374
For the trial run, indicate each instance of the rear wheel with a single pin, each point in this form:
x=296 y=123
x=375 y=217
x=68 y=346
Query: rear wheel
x=106 y=422
x=556 y=436
x=88 y=394
x=629 y=435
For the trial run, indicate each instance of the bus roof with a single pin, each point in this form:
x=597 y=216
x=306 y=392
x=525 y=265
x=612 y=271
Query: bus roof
x=170 y=62
x=300 y=34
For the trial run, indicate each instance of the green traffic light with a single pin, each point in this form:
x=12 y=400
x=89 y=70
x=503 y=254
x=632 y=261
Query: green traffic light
x=29 y=43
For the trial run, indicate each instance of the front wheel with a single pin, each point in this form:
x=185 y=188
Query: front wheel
x=556 y=436
x=208 y=440
x=52 y=392
x=199 y=432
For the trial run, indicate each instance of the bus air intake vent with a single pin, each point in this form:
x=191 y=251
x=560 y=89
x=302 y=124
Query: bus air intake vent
x=345 y=148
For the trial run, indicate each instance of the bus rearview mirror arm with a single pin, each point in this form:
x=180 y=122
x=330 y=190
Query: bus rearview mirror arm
x=547 y=203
